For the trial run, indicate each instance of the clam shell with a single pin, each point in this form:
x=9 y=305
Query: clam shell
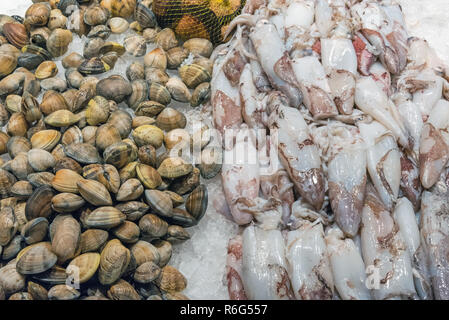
x=35 y=230
x=96 y=15
x=92 y=47
x=119 y=154
x=114 y=88
x=63 y=292
x=187 y=183
x=58 y=42
x=177 y=138
x=149 y=109
x=148 y=134
x=131 y=189
x=11 y=280
x=72 y=135
x=93 y=240
x=135 y=45
x=165 y=250
x=39 y=179
x=53 y=101
x=166 y=39
x=159 y=202
x=83 y=153
x=147 y=272
x=156 y=59
x=67 y=202
x=171 y=280
x=211 y=162
x=86 y=265
x=198 y=46
x=22 y=190
x=193 y=74
x=176 y=56
x=200 y=95
x=67 y=163
x=118 y=25
x=8 y=63
x=122 y=290
x=93 y=66
x=8 y=225
x=100 y=31
x=144 y=251
x=147 y=155
x=17 y=125
x=39 y=204
x=106 y=135
x=170 y=119
x=133 y=210
x=38 y=14
x=16 y=145
x=45 y=139
x=11 y=250
x=135 y=71
x=122 y=121
x=56 y=275
x=128 y=171
x=16 y=34
x=89 y=134
x=36 y=258
x=62 y=118
x=57 y=20
x=65 y=232
x=174 y=167
x=176 y=234
x=73 y=60
x=37 y=291
x=144 y=16
x=97 y=111
x=113 y=262
x=153 y=74
x=139 y=94
x=182 y=218
x=105 y=174
x=159 y=93
x=46 y=69
x=152 y=226
x=65 y=180
x=94 y=192
x=127 y=232
x=104 y=218
x=149 y=176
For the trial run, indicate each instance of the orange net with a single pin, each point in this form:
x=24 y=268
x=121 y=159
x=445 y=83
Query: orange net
x=197 y=18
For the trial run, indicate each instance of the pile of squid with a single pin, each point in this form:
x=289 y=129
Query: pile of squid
x=346 y=194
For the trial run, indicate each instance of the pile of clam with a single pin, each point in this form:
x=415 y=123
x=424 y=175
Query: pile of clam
x=93 y=194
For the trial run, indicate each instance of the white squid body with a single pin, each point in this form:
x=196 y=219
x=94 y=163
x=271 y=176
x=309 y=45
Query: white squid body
x=434 y=150
x=347 y=180
x=314 y=85
x=308 y=263
x=264 y=269
x=340 y=62
x=404 y=216
x=383 y=161
x=385 y=251
x=382 y=77
x=383 y=26
x=298 y=18
x=347 y=265
x=427 y=97
x=435 y=235
x=298 y=153
x=421 y=54
x=225 y=98
x=241 y=177
x=270 y=50
x=373 y=101
x=252 y=108
x=412 y=119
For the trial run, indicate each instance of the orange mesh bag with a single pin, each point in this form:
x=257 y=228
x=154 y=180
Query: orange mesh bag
x=197 y=18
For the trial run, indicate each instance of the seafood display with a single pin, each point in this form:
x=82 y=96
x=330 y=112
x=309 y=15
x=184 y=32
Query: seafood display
x=333 y=123
x=97 y=181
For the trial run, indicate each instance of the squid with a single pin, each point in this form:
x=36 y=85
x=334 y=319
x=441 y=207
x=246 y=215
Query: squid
x=234 y=265
x=298 y=153
x=384 y=251
x=372 y=100
x=348 y=268
x=347 y=178
x=308 y=263
x=435 y=235
x=383 y=161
